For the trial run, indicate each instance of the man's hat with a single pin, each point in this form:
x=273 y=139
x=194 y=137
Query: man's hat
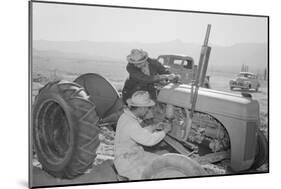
x=137 y=56
x=140 y=99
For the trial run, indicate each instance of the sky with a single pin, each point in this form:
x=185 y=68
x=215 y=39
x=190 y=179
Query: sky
x=58 y=22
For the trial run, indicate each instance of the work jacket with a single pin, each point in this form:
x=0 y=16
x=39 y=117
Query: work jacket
x=130 y=157
x=139 y=81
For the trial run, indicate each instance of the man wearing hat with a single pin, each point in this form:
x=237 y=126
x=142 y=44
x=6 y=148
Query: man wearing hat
x=144 y=72
x=130 y=157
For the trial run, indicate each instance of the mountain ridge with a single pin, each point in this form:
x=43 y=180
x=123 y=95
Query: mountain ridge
x=222 y=58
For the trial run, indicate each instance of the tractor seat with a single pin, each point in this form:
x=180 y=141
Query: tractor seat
x=119 y=177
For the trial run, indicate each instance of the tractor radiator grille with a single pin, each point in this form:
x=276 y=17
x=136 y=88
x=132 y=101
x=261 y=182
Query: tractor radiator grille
x=251 y=139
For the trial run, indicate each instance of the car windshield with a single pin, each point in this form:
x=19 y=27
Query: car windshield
x=250 y=76
x=185 y=63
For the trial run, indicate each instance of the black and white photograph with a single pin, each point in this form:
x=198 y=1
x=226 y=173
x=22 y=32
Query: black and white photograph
x=124 y=94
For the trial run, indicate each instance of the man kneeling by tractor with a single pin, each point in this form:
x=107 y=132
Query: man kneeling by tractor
x=130 y=157
x=131 y=160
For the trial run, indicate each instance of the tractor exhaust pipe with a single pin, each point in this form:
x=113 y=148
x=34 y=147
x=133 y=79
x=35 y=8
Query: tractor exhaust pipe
x=199 y=81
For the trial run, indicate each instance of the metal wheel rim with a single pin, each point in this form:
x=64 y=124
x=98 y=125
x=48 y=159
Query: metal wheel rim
x=53 y=132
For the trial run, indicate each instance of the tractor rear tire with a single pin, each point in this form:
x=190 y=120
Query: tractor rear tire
x=261 y=151
x=173 y=166
x=65 y=131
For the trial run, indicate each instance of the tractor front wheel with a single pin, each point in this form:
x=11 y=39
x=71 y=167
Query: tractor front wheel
x=261 y=156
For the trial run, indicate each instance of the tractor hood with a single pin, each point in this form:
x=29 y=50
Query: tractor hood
x=211 y=101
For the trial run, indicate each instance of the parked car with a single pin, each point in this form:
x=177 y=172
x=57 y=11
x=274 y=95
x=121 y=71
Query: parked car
x=245 y=80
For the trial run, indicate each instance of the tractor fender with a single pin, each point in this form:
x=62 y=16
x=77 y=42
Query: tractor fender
x=243 y=140
x=102 y=93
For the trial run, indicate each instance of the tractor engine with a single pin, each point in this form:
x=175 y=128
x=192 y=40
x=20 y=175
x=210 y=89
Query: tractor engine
x=205 y=130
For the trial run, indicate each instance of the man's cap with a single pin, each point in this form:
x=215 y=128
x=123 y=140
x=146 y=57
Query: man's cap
x=140 y=99
x=137 y=56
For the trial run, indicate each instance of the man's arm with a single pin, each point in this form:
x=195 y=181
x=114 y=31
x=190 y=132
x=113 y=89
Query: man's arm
x=136 y=74
x=151 y=128
x=163 y=72
x=144 y=136
x=160 y=68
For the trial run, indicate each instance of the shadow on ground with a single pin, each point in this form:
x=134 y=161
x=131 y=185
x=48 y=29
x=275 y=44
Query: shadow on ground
x=99 y=174
x=23 y=183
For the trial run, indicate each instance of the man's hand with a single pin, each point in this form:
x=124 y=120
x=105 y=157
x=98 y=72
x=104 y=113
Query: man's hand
x=166 y=127
x=171 y=77
x=168 y=77
x=156 y=127
x=163 y=77
x=178 y=77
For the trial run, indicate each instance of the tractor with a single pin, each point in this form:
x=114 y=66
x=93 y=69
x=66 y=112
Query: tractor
x=208 y=126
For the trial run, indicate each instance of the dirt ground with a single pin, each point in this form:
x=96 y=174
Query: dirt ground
x=99 y=174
